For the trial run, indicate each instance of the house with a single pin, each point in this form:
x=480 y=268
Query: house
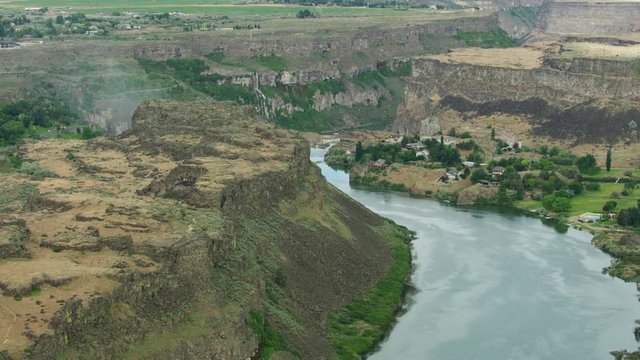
x=423 y=153
x=9 y=44
x=498 y=170
x=484 y=182
x=380 y=164
x=415 y=146
x=329 y=139
x=468 y=164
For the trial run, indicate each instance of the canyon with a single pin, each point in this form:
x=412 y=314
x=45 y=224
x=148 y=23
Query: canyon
x=195 y=232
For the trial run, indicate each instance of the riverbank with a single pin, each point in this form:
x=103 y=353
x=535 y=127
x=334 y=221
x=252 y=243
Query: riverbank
x=467 y=258
x=359 y=326
x=618 y=242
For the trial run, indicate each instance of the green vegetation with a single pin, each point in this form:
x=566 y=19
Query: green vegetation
x=217 y=7
x=496 y=38
x=528 y=14
x=34 y=170
x=445 y=154
x=272 y=62
x=391 y=153
x=357 y=327
x=305 y=13
x=192 y=72
x=270 y=341
x=373 y=181
x=337 y=157
x=29 y=118
x=587 y=164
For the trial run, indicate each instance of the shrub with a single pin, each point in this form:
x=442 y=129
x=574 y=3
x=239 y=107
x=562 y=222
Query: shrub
x=35 y=170
x=480 y=174
x=609 y=206
x=615 y=195
x=591 y=186
x=304 y=14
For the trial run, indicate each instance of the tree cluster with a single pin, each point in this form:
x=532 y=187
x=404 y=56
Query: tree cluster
x=629 y=216
x=20 y=119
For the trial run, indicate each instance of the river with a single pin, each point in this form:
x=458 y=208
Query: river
x=493 y=286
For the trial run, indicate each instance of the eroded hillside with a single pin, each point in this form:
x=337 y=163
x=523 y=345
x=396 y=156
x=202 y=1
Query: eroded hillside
x=199 y=232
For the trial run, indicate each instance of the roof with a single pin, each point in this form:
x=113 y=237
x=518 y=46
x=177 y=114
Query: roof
x=498 y=168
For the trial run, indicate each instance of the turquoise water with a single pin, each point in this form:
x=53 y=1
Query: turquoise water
x=495 y=286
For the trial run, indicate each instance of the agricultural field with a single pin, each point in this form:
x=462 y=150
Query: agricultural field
x=216 y=7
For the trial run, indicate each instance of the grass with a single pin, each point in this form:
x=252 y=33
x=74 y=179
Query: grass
x=270 y=341
x=496 y=38
x=615 y=172
x=358 y=326
x=590 y=201
x=215 y=7
x=272 y=62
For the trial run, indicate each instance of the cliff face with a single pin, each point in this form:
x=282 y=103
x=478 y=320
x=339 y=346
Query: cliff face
x=585 y=17
x=335 y=42
x=189 y=236
x=570 y=93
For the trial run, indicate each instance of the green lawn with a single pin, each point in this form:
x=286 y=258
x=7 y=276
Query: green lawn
x=613 y=173
x=591 y=201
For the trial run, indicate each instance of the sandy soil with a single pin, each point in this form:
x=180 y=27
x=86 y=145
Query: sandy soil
x=514 y=58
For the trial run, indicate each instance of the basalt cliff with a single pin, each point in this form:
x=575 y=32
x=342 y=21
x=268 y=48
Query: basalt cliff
x=583 y=99
x=198 y=233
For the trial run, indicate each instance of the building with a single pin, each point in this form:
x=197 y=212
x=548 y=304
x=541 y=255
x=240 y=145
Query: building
x=498 y=170
x=423 y=153
x=329 y=139
x=380 y=164
x=415 y=146
x=468 y=164
x=9 y=44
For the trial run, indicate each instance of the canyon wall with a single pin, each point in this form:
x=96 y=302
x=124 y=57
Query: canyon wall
x=219 y=212
x=264 y=42
x=576 y=17
x=546 y=92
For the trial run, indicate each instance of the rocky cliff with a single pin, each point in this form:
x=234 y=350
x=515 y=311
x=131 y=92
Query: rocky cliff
x=590 y=17
x=199 y=233
x=404 y=41
x=591 y=100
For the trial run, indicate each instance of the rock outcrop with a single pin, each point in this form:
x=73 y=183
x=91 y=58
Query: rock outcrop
x=550 y=96
x=176 y=237
x=590 y=17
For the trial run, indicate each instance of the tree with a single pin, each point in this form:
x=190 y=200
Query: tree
x=306 y=13
x=476 y=157
x=562 y=205
x=587 y=164
x=608 y=163
x=632 y=125
x=493 y=134
x=609 y=206
x=359 y=151
x=480 y=174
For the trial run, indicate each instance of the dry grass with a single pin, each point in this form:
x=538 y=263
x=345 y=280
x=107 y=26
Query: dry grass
x=514 y=58
x=599 y=51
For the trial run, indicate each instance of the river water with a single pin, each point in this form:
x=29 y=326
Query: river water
x=493 y=286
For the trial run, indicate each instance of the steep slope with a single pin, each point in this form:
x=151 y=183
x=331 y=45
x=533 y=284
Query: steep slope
x=199 y=233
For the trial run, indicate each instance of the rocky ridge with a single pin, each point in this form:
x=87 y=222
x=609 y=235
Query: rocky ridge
x=191 y=225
